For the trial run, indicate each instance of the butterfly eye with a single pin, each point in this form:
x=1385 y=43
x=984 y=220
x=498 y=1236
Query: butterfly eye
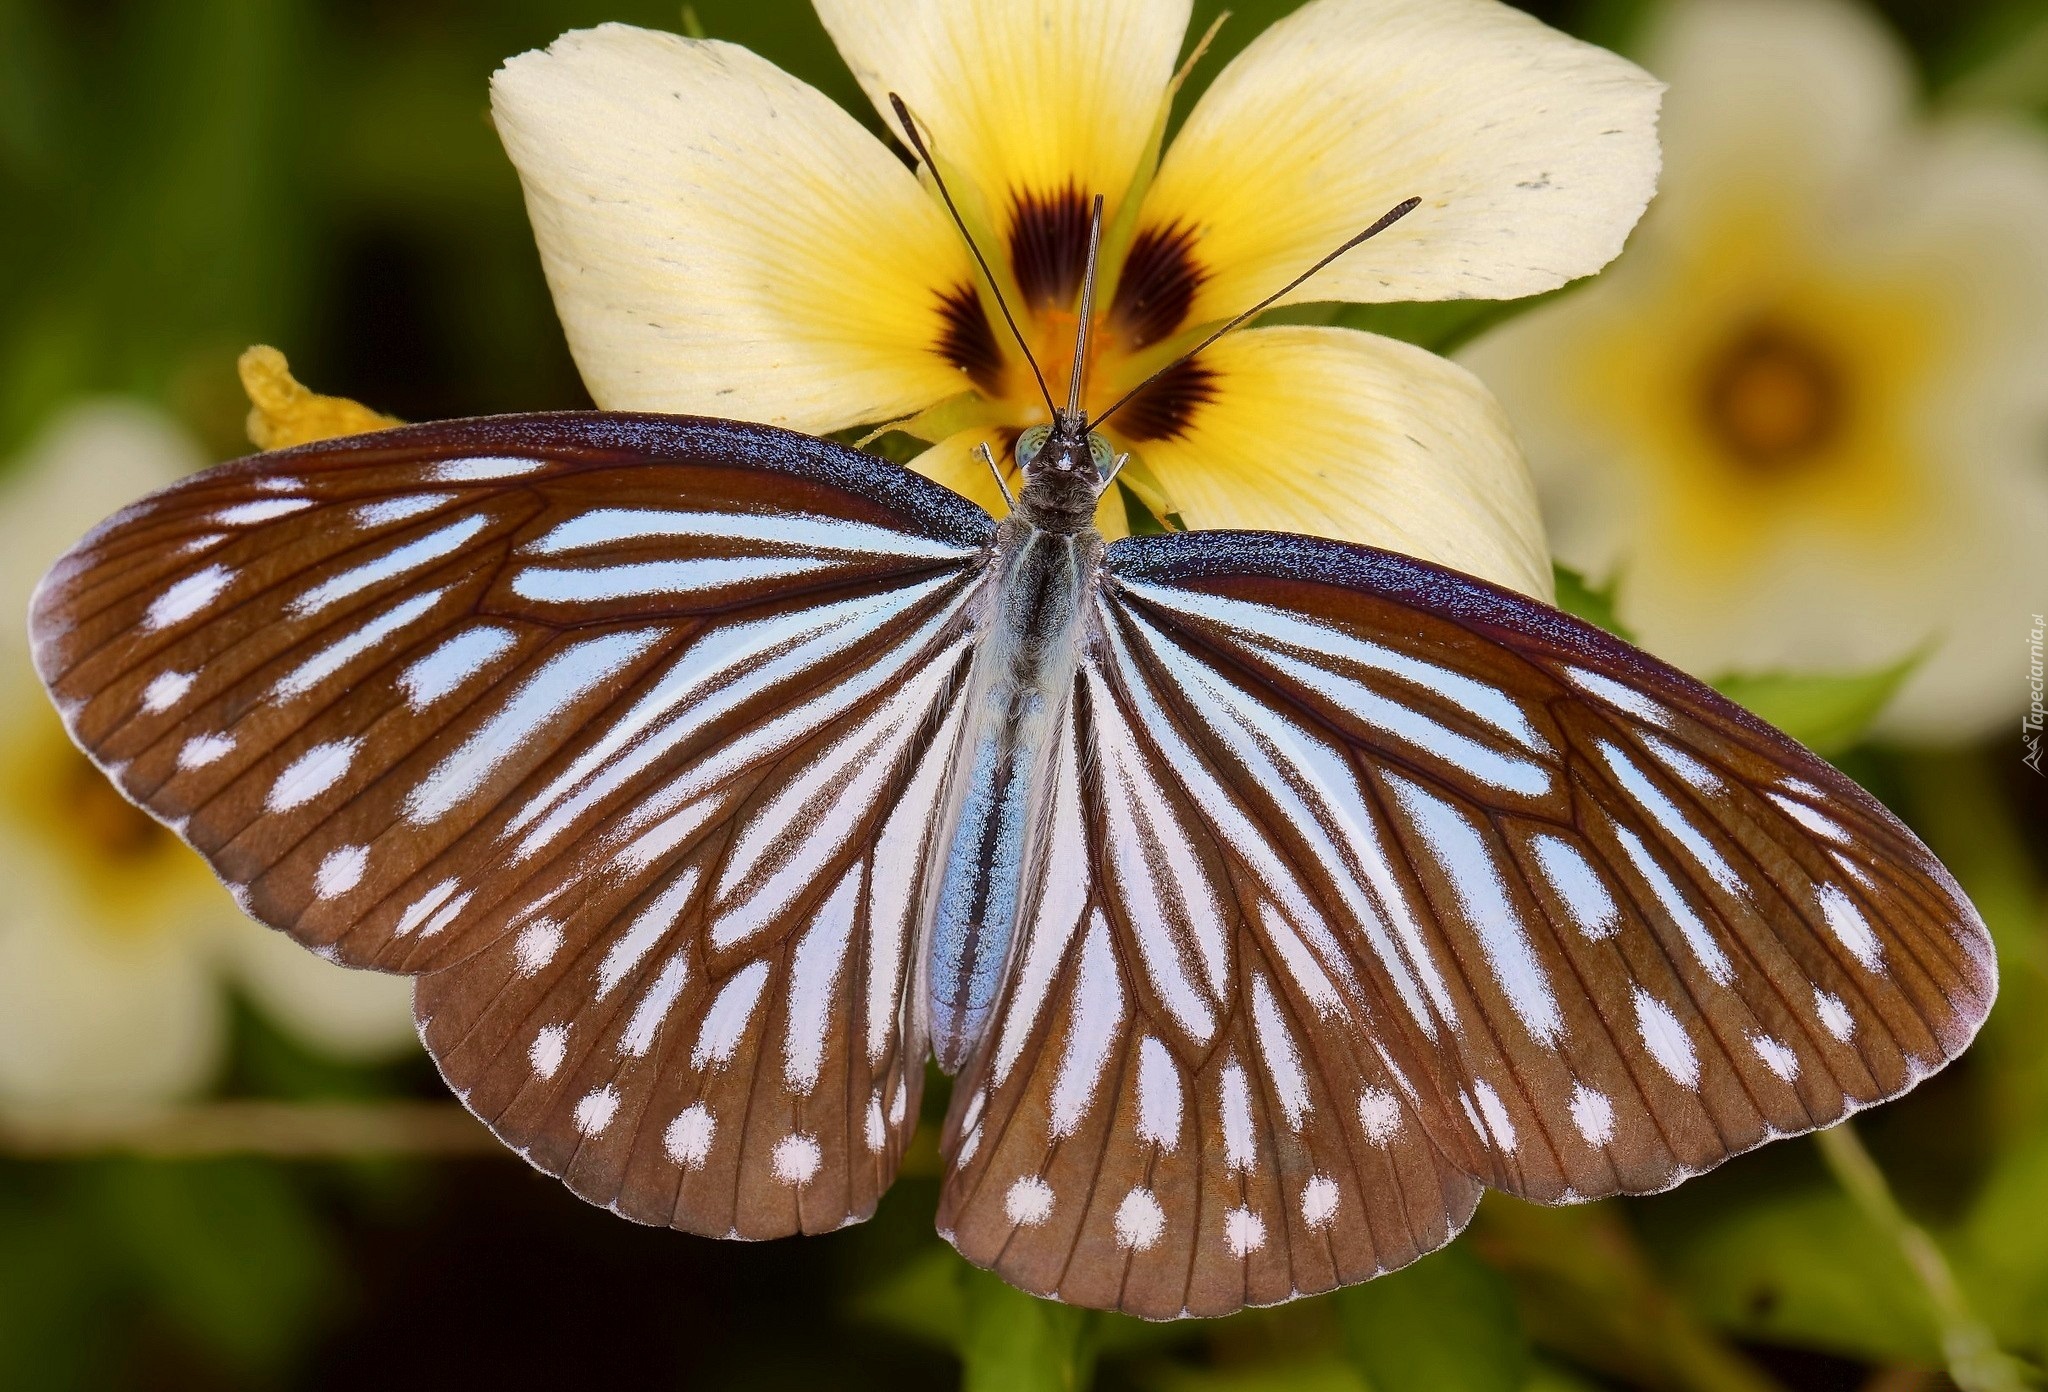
x=1100 y=452
x=1030 y=443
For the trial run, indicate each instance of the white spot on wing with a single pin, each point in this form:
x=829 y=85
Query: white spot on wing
x=481 y=468
x=1319 y=1199
x=447 y=667
x=688 y=1138
x=1833 y=1015
x=654 y=1006
x=1240 y=1152
x=1498 y=1124
x=1776 y=1057
x=165 y=690
x=1698 y=936
x=1098 y=1016
x=1029 y=1202
x=341 y=870
x=548 y=1049
x=875 y=1133
x=1379 y=1112
x=647 y=928
x=318 y=668
x=1578 y=884
x=1159 y=1095
x=1593 y=1114
x=399 y=560
x=814 y=984
x=312 y=773
x=1666 y=1039
x=388 y=510
x=187 y=597
x=1282 y=1059
x=1851 y=929
x=1622 y=698
x=1140 y=1221
x=1244 y=1232
x=265 y=510
x=201 y=750
x=596 y=1110
x=536 y=945
x=725 y=1023
x=796 y=1158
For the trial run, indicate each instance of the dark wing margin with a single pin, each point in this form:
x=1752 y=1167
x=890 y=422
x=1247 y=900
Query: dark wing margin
x=1394 y=885
x=622 y=733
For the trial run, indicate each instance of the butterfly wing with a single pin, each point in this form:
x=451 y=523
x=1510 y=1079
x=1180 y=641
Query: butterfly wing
x=1405 y=884
x=623 y=734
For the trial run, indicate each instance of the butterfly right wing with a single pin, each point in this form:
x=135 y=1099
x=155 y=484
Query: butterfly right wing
x=622 y=734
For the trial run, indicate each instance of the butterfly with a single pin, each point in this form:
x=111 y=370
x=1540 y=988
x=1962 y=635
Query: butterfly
x=1269 y=897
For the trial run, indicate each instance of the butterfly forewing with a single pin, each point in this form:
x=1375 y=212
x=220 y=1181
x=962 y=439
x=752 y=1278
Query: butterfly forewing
x=625 y=732
x=1384 y=854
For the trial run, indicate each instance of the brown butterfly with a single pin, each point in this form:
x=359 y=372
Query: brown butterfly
x=1269 y=896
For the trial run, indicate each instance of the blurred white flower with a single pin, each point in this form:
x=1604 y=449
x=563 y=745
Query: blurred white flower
x=1804 y=419
x=117 y=945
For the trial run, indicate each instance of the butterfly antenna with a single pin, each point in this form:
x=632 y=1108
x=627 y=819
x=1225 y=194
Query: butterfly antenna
x=917 y=144
x=1073 y=412
x=1393 y=215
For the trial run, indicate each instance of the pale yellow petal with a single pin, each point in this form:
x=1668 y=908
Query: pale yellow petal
x=956 y=462
x=1026 y=97
x=1791 y=99
x=339 y=1010
x=723 y=240
x=1345 y=434
x=91 y=459
x=1533 y=155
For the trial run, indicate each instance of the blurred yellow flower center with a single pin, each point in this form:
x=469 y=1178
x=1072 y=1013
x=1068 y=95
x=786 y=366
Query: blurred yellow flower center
x=56 y=800
x=1772 y=399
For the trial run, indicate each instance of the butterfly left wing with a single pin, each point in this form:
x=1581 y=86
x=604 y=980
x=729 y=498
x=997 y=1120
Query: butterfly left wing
x=623 y=734
x=1403 y=884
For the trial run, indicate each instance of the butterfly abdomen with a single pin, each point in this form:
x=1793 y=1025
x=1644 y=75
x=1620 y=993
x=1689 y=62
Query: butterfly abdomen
x=1016 y=696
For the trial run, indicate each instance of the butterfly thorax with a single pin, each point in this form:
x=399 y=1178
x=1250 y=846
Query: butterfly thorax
x=998 y=793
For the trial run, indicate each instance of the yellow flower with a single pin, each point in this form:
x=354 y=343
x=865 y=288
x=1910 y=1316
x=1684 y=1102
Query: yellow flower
x=116 y=943
x=721 y=239
x=1802 y=419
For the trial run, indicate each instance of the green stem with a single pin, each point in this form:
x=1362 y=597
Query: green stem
x=1971 y=1354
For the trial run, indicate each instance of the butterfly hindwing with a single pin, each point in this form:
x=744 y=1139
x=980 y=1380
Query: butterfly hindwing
x=622 y=733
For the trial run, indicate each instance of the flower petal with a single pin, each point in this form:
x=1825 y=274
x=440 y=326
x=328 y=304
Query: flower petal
x=1346 y=434
x=346 y=1013
x=1789 y=98
x=1533 y=155
x=722 y=239
x=1025 y=97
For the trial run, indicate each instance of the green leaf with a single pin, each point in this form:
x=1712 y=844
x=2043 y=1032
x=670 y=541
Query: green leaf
x=1801 y=1267
x=1580 y=598
x=1446 y=1322
x=227 y=1251
x=1826 y=712
x=1013 y=1342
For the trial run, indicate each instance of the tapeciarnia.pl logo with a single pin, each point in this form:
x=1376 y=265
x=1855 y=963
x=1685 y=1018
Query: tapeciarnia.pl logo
x=2030 y=723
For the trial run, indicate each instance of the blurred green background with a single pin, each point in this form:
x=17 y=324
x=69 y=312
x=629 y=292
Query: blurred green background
x=297 y=1204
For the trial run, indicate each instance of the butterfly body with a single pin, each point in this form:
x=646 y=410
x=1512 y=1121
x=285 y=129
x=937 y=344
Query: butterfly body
x=998 y=809
x=1271 y=896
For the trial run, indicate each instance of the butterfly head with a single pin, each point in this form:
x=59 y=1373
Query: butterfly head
x=1066 y=467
